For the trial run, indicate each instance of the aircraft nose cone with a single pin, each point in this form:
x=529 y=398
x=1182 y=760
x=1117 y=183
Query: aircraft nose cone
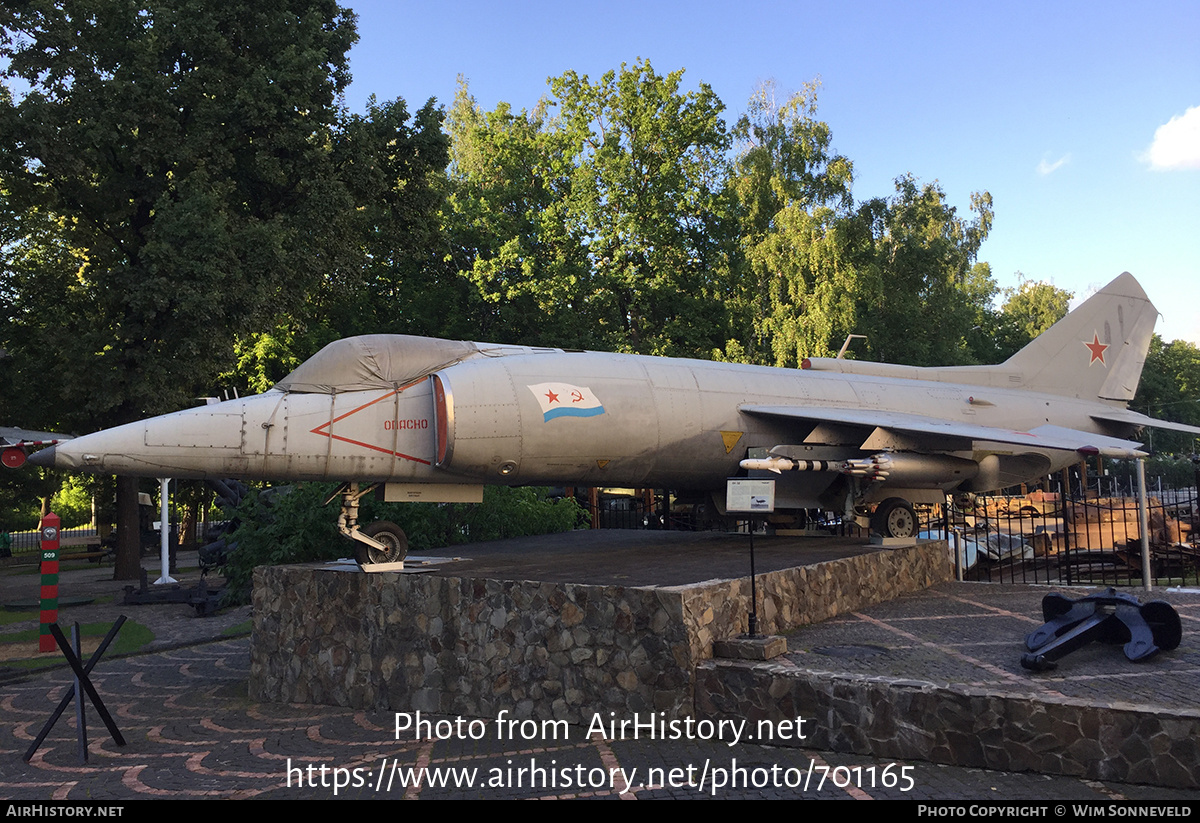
x=44 y=458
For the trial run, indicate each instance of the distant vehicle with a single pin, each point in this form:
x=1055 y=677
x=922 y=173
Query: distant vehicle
x=438 y=419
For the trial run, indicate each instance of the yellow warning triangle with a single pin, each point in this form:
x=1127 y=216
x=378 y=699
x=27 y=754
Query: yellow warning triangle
x=730 y=439
x=601 y=463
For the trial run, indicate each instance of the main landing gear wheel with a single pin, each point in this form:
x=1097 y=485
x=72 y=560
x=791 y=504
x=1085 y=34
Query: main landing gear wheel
x=894 y=517
x=390 y=535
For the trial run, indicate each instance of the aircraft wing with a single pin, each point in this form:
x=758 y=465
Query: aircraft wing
x=1043 y=437
x=1132 y=418
x=12 y=436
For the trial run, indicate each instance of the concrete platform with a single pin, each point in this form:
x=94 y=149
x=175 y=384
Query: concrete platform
x=619 y=557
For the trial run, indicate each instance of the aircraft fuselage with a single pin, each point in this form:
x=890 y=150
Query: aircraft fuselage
x=549 y=417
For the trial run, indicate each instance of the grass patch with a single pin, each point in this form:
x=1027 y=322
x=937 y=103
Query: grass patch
x=26 y=570
x=7 y=618
x=19 y=648
x=240 y=629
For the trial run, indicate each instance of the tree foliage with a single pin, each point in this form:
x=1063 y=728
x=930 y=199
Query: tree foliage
x=920 y=294
x=818 y=267
x=614 y=216
x=507 y=221
x=1028 y=310
x=796 y=227
x=168 y=180
x=646 y=196
x=384 y=269
x=1170 y=390
x=173 y=161
x=1033 y=306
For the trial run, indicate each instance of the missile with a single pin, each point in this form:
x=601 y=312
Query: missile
x=784 y=464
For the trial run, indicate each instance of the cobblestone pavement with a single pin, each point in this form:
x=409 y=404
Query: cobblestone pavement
x=191 y=732
x=971 y=634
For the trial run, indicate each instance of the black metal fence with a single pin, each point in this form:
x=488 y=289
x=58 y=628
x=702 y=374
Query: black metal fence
x=1090 y=539
x=1082 y=539
x=24 y=546
x=28 y=543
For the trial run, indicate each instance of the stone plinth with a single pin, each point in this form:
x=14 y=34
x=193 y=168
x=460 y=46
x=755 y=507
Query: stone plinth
x=474 y=646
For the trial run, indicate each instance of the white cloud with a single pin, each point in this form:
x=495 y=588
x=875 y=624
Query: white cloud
x=1176 y=143
x=1046 y=167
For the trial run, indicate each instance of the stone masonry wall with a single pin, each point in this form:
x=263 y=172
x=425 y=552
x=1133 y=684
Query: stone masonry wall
x=892 y=719
x=548 y=651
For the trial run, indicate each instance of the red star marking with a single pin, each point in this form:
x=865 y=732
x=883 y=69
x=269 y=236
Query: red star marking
x=1097 y=349
x=552 y=397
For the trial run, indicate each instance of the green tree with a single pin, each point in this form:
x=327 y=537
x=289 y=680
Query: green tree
x=397 y=281
x=647 y=197
x=796 y=225
x=387 y=274
x=1028 y=310
x=508 y=226
x=1170 y=390
x=816 y=267
x=921 y=296
x=168 y=168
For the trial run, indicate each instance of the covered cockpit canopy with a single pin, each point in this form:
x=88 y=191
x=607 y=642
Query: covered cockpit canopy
x=374 y=361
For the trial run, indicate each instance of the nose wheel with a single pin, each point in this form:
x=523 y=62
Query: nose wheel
x=380 y=542
x=387 y=534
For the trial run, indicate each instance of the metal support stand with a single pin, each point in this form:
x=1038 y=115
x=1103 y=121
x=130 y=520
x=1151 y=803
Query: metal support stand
x=82 y=683
x=164 y=534
x=953 y=542
x=753 y=622
x=1144 y=523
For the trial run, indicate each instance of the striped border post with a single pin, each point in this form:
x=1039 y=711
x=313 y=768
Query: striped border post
x=49 y=598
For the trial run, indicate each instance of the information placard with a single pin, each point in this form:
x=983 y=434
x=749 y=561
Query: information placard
x=757 y=496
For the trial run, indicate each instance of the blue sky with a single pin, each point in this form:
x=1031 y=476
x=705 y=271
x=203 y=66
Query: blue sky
x=1052 y=107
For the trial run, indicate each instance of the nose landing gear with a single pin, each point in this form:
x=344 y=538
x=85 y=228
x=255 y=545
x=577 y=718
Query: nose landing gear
x=380 y=542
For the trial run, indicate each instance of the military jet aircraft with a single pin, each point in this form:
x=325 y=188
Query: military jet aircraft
x=438 y=419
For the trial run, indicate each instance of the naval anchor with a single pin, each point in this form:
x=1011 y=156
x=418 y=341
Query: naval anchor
x=1110 y=617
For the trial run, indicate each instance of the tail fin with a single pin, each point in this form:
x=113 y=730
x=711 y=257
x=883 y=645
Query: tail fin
x=1098 y=350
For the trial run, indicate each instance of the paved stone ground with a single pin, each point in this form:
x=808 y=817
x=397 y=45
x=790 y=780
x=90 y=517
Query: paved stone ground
x=192 y=732
x=972 y=634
